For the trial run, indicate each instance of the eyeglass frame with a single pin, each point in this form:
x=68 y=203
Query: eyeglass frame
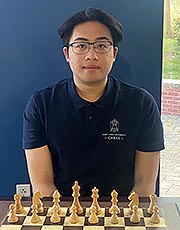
x=90 y=43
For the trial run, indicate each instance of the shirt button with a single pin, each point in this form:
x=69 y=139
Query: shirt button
x=90 y=117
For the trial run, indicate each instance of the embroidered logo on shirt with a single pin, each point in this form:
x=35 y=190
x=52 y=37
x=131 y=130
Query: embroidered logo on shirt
x=114 y=133
x=114 y=125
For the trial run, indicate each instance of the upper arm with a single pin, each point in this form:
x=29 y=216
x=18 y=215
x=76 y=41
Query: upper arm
x=40 y=167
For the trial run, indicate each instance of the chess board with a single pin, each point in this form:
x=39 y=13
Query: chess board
x=104 y=223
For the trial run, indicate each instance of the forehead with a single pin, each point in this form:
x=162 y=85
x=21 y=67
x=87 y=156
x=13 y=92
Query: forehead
x=90 y=31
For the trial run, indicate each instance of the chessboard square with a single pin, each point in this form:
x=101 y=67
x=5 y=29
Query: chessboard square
x=73 y=228
x=100 y=222
x=81 y=214
x=146 y=214
x=48 y=222
x=107 y=222
x=19 y=222
x=136 y=228
x=44 y=213
x=107 y=213
x=93 y=228
x=148 y=223
x=129 y=223
x=114 y=228
x=121 y=214
x=63 y=212
x=52 y=228
x=27 y=221
x=25 y=213
x=102 y=214
x=156 y=228
x=127 y=214
x=31 y=228
x=79 y=223
x=10 y=227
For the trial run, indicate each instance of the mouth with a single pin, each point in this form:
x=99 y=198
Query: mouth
x=91 y=67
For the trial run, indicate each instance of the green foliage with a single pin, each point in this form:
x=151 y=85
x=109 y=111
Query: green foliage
x=171 y=46
x=175 y=19
x=177 y=30
x=171 y=59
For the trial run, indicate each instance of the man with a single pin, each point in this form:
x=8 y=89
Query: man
x=92 y=128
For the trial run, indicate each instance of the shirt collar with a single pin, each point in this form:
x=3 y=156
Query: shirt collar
x=103 y=102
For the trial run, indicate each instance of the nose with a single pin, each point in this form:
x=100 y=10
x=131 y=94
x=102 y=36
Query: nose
x=91 y=54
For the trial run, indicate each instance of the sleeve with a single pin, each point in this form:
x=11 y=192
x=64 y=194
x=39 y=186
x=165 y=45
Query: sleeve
x=151 y=136
x=33 y=124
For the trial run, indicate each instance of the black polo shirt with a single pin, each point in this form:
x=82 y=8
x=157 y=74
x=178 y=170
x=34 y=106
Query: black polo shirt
x=94 y=143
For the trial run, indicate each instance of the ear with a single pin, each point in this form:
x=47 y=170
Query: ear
x=66 y=53
x=115 y=52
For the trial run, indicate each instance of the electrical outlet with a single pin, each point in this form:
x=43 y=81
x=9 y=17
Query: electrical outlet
x=23 y=190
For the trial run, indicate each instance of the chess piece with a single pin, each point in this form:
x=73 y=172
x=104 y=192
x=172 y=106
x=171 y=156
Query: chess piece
x=93 y=218
x=73 y=217
x=18 y=206
x=114 y=201
x=95 y=203
x=152 y=203
x=134 y=200
x=114 y=217
x=76 y=194
x=155 y=219
x=56 y=200
x=135 y=218
x=37 y=201
x=35 y=218
x=55 y=218
x=12 y=218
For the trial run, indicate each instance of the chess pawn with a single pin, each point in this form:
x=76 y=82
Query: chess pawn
x=74 y=217
x=93 y=218
x=12 y=218
x=114 y=217
x=18 y=205
x=155 y=219
x=135 y=218
x=55 y=218
x=34 y=218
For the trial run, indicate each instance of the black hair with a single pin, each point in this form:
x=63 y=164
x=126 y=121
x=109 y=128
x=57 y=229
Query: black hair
x=91 y=14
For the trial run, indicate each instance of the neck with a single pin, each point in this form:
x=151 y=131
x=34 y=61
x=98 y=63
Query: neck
x=91 y=92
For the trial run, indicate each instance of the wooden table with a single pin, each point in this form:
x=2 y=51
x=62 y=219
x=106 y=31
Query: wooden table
x=170 y=207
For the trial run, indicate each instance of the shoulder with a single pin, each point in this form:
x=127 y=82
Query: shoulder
x=49 y=94
x=131 y=91
x=60 y=86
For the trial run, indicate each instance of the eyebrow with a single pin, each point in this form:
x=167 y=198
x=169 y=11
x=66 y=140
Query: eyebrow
x=97 y=39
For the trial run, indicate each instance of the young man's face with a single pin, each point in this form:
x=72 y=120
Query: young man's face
x=91 y=67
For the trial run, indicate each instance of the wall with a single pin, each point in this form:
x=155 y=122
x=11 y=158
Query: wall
x=171 y=97
x=31 y=58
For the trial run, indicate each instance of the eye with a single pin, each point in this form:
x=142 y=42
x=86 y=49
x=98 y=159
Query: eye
x=102 y=45
x=80 y=45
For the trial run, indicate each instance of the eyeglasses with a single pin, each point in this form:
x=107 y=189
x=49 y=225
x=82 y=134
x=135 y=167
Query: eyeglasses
x=83 y=47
